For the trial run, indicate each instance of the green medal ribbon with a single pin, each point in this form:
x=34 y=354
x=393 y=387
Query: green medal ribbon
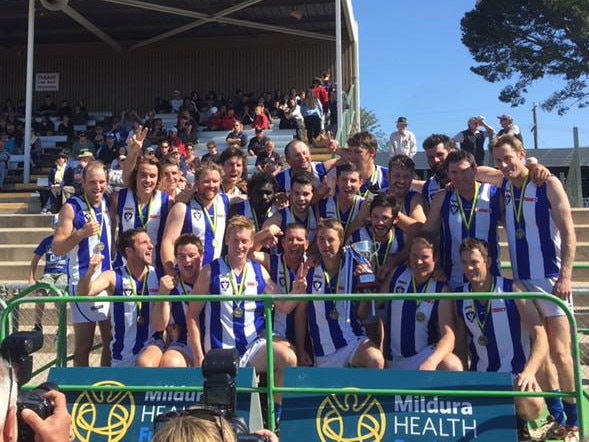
x=468 y=221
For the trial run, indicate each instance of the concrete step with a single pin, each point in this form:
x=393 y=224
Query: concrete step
x=582 y=253
x=23 y=235
x=580 y=216
x=17 y=252
x=24 y=220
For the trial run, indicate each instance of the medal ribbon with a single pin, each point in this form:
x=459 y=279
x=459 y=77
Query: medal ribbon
x=286 y=274
x=414 y=287
x=92 y=214
x=237 y=290
x=211 y=222
x=371 y=182
x=134 y=287
x=350 y=213
x=328 y=284
x=488 y=310
x=390 y=242
x=519 y=211
x=468 y=221
x=140 y=211
x=255 y=217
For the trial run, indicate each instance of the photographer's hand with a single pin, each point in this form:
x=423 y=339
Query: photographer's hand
x=267 y=435
x=57 y=427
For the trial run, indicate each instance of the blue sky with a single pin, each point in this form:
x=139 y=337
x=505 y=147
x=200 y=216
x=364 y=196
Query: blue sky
x=412 y=63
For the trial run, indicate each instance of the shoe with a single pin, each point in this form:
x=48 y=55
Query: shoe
x=572 y=434
x=523 y=434
x=45 y=212
x=553 y=430
x=38 y=327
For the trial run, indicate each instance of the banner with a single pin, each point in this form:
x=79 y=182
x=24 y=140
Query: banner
x=47 y=82
x=355 y=417
x=115 y=416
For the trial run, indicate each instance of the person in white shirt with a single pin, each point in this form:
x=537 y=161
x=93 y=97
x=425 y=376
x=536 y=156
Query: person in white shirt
x=402 y=141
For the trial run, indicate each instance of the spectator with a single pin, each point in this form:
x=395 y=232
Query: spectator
x=507 y=127
x=313 y=115
x=212 y=154
x=320 y=94
x=246 y=116
x=65 y=110
x=473 y=140
x=269 y=160
x=163 y=149
x=157 y=131
x=402 y=141
x=122 y=155
x=36 y=149
x=237 y=136
x=176 y=101
x=107 y=151
x=82 y=143
x=260 y=120
x=84 y=158
x=66 y=127
x=79 y=114
x=45 y=126
x=4 y=158
x=48 y=107
x=257 y=144
x=54 y=273
x=229 y=119
x=162 y=106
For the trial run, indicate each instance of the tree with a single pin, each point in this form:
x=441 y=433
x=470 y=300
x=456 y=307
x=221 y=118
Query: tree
x=526 y=40
x=369 y=122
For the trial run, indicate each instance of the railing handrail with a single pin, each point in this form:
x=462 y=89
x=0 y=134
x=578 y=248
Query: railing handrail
x=268 y=300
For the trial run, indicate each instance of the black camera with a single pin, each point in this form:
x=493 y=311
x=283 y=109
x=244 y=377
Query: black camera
x=17 y=349
x=219 y=369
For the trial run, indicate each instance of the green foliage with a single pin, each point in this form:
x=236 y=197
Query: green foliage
x=526 y=40
x=369 y=122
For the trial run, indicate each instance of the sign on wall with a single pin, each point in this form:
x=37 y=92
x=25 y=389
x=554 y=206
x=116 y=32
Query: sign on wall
x=47 y=81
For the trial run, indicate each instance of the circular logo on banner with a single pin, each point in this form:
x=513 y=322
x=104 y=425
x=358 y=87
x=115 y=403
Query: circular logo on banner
x=350 y=418
x=103 y=415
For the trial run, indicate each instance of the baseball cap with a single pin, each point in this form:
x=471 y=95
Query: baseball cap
x=82 y=133
x=402 y=120
x=505 y=117
x=259 y=129
x=110 y=135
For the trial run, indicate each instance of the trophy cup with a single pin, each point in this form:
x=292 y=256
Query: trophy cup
x=363 y=253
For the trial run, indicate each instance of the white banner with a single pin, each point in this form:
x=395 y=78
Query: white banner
x=47 y=81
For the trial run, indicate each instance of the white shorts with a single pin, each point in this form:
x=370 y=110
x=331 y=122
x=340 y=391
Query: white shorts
x=252 y=351
x=89 y=311
x=342 y=357
x=413 y=362
x=545 y=285
x=128 y=361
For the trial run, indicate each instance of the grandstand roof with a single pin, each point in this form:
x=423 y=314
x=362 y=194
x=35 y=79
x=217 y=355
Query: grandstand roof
x=124 y=21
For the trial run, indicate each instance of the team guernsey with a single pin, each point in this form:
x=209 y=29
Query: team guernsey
x=332 y=324
x=499 y=341
x=152 y=217
x=406 y=206
x=459 y=221
x=130 y=319
x=208 y=225
x=378 y=182
x=329 y=208
x=245 y=208
x=53 y=264
x=534 y=242
x=284 y=177
x=431 y=186
x=234 y=324
x=411 y=326
x=178 y=311
x=394 y=243
x=79 y=256
x=309 y=222
x=283 y=324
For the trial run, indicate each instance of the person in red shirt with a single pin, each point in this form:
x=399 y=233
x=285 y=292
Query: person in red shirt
x=261 y=119
x=321 y=94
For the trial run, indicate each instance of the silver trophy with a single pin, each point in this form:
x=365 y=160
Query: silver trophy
x=363 y=253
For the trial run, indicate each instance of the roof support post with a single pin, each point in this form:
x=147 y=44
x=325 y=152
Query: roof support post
x=29 y=92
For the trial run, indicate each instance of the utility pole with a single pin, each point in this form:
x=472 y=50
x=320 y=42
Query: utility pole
x=535 y=126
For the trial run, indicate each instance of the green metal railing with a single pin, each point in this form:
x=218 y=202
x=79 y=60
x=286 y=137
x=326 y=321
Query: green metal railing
x=272 y=389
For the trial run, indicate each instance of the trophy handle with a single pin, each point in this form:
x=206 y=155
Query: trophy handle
x=375 y=249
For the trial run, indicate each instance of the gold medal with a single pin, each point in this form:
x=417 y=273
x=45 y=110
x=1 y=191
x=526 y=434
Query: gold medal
x=98 y=248
x=520 y=234
x=483 y=340
x=334 y=314
x=215 y=243
x=420 y=316
x=140 y=320
x=237 y=313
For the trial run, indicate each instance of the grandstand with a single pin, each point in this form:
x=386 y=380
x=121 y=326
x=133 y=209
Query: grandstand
x=291 y=50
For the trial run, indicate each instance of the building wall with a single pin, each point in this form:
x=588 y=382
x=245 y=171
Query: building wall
x=106 y=80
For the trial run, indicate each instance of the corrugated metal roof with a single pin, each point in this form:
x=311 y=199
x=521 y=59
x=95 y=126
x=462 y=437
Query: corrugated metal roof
x=125 y=23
